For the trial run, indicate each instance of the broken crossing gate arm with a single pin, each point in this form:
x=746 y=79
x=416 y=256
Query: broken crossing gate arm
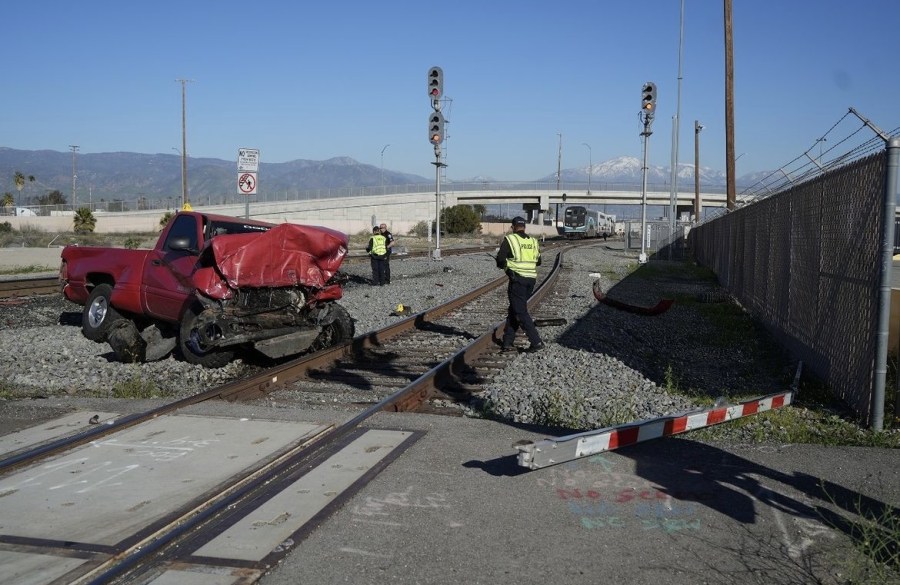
x=538 y=454
x=661 y=307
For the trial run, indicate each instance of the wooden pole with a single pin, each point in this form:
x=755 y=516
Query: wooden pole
x=729 y=110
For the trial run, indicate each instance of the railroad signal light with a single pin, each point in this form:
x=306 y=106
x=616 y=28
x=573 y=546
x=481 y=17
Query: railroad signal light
x=435 y=83
x=648 y=98
x=436 y=128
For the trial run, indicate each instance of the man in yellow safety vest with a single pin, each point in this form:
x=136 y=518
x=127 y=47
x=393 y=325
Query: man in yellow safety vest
x=377 y=249
x=519 y=256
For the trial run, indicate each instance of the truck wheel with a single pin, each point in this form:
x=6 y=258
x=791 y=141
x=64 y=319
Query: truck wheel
x=98 y=314
x=192 y=348
x=338 y=331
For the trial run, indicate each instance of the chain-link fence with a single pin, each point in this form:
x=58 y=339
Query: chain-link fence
x=659 y=241
x=806 y=263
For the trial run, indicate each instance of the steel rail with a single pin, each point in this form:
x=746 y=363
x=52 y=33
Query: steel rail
x=445 y=377
x=298 y=368
x=26 y=287
x=243 y=492
x=251 y=387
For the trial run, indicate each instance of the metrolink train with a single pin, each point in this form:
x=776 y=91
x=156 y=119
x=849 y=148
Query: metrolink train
x=581 y=222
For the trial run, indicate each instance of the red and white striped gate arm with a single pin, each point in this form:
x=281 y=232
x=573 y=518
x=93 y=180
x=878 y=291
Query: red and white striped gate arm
x=538 y=454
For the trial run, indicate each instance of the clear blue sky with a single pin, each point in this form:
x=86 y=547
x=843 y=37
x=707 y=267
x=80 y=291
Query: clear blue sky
x=315 y=80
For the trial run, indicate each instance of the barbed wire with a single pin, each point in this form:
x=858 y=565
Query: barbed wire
x=845 y=146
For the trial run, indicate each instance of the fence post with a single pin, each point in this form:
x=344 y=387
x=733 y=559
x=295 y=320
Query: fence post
x=887 y=259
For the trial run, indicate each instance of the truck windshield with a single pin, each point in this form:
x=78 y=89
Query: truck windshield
x=220 y=228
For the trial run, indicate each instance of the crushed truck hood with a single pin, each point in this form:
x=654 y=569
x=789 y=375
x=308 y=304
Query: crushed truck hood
x=286 y=255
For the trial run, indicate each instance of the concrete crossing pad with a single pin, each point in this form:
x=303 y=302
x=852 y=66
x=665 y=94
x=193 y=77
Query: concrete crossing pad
x=270 y=525
x=111 y=488
x=75 y=511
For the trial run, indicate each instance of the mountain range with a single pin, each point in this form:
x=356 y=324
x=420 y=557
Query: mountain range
x=628 y=169
x=126 y=176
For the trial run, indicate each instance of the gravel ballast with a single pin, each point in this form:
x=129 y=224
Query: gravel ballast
x=604 y=366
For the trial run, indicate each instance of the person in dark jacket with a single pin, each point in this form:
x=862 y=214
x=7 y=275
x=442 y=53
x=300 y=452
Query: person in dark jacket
x=377 y=249
x=389 y=242
x=519 y=256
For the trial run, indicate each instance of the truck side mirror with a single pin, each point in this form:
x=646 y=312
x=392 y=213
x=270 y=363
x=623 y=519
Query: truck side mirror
x=181 y=243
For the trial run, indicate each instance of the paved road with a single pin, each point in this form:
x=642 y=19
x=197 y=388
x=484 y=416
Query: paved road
x=456 y=508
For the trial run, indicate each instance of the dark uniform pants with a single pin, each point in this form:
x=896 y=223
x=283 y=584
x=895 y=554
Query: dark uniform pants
x=518 y=290
x=379 y=275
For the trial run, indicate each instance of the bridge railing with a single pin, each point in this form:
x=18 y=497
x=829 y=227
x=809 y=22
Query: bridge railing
x=173 y=203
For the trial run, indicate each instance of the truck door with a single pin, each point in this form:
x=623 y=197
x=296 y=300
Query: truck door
x=166 y=286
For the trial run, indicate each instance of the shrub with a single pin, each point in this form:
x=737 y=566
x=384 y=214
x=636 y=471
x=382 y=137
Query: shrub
x=420 y=229
x=460 y=219
x=164 y=220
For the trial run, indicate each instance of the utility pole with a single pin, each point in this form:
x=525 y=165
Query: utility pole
x=382 y=167
x=184 y=189
x=74 y=148
x=558 y=160
x=590 y=166
x=697 y=205
x=676 y=123
x=729 y=111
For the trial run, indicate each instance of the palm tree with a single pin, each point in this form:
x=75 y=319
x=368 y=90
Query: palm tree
x=84 y=220
x=8 y=200
x=20 y=180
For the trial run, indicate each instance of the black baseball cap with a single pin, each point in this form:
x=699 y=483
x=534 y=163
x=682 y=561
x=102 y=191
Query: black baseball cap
x=518 y=221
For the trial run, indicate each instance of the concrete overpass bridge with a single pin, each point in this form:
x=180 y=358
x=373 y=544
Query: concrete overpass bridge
x=354 y=209
x=545 y=194
x=542 y=197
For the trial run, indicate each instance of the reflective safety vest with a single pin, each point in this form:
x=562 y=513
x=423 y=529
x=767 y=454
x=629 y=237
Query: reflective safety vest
x=525 y=255
x=379 y=245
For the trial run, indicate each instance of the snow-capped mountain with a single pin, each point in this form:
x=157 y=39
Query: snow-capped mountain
x=628 y=169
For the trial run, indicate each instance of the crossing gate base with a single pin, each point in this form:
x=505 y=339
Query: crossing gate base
x=538 y=454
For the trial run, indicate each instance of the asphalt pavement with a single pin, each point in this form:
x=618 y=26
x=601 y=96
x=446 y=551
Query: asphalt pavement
x=457 y=508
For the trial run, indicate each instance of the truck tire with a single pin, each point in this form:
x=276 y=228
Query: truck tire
x=191 y=347
x=98 y=314
x=339 y=330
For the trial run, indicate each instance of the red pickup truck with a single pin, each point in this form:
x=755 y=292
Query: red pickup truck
x=214 y=285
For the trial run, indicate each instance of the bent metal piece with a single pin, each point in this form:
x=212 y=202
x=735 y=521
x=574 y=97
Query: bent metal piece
x=660 y=307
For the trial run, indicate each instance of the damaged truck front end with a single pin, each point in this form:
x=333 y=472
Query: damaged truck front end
x=272 y=291
x=275 y=291
x=277 y=322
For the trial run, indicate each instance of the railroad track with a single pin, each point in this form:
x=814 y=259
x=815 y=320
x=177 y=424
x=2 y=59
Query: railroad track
x=26 y=287
x=14 y=287
x=445 y=352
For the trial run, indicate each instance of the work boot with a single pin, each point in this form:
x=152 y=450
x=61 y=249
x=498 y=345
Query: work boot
x=535 y=347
